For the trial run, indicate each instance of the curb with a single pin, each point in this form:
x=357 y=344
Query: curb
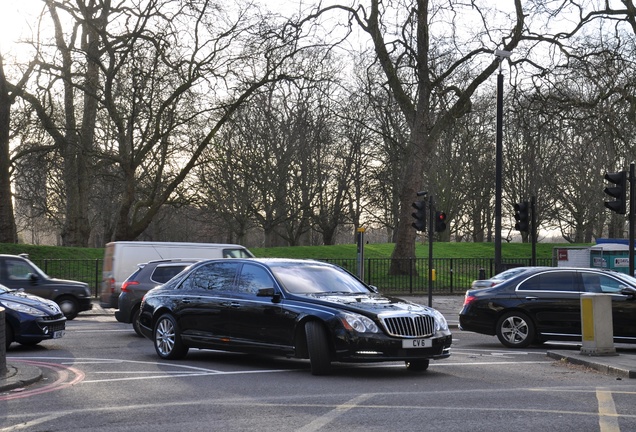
x=19 y=376
x=618 y=365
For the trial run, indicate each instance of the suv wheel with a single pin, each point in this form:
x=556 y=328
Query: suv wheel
x=68 y=305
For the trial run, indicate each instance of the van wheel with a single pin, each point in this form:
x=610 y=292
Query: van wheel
x=135 y=322
x=318 y=347
x=167 y=339
x=69 y=307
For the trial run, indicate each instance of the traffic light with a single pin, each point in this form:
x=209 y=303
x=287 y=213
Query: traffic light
x=522 y=216
x=440 y=221
x=619 y=192
x=420 y=215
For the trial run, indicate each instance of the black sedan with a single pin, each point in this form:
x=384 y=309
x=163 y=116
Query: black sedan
x=294 y=308
x=539 y=304
x=30 y=319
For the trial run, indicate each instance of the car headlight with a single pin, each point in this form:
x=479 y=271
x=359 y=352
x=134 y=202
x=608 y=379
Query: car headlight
x=19 y=307
x=440 y=321
x=358 y=323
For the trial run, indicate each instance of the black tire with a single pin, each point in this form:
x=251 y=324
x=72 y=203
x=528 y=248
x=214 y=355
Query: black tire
x=69 y=307
x=516 y=330
x=135 y=322
x=318 y=348
x=417 y=365
x=32 y=342
x=167 y=339
x=8 y=332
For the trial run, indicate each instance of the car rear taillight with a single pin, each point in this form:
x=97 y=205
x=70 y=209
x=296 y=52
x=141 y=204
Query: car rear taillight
x=125 y=285
x=469 y=299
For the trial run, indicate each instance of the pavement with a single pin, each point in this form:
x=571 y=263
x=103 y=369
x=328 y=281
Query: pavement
x=622 y=364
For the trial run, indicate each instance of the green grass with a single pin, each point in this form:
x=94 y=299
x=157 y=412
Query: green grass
x=349 y=251
x=440 y=250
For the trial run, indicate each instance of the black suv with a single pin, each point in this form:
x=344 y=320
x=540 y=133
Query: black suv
x=146 y=277
x=17 y=272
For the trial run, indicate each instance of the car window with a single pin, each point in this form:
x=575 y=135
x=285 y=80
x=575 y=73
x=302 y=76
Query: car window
x=610 y=285
x=163 y=274
x=217 y=276
x=18 y=270
x=551 y=281
x=254 y=278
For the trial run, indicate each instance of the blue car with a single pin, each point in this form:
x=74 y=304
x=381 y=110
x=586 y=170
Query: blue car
x=30 y=319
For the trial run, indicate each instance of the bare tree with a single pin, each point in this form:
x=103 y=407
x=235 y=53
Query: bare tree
x=8 y=232
x=426 y=62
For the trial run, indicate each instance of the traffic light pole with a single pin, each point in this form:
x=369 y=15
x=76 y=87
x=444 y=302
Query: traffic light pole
x=431 y=230
x=533 y=229
x=632 y=200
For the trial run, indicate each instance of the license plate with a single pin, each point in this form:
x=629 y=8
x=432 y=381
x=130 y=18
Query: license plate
x=58 y=334
x=417 y=343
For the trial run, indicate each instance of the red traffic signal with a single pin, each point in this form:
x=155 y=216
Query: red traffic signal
x=440 y=221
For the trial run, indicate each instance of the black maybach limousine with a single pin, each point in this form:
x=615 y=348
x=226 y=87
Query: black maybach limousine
x=295 y=308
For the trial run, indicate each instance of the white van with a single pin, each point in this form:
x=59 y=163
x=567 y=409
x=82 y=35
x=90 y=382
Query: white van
x=121 y=259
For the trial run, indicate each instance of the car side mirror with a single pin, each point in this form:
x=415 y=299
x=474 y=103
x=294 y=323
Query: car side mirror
x=33 y=278
x=269 y=292
x=629 y=292
x=374 y=289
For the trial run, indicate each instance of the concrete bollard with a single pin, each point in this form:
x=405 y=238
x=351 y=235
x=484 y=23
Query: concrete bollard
x=596 y=325
x=3 y=345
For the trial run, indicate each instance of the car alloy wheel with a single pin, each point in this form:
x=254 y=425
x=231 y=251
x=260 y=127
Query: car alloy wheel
x=515 y=330
x=167 y=339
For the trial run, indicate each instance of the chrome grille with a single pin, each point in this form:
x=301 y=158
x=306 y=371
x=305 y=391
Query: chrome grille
x=410 y=325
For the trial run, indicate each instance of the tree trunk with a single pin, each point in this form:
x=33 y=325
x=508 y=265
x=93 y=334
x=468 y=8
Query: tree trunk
x=8 y=231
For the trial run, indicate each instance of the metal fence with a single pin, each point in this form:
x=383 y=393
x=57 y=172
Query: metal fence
x=89 y=271
x=452 y=275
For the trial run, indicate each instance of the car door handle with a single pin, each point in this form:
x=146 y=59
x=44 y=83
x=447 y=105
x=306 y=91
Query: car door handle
x=231 y=304
x=532 y=298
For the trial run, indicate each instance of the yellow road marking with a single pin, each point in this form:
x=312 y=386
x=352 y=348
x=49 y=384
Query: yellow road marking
x=607 y=416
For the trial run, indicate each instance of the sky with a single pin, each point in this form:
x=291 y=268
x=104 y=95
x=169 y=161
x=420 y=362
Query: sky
x=17 y=18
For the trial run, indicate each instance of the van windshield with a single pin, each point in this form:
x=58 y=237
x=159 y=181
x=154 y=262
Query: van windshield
x=237 y=253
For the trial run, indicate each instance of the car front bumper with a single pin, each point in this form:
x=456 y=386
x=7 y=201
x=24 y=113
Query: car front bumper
x=27 y=328
x=379 y=348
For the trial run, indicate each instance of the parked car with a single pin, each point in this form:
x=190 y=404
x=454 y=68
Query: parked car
x=146 y=277
x=30 y=319
x=18 y=272
x=540 y=304
x=121 y=259
x=498 y=278
x=299 y=308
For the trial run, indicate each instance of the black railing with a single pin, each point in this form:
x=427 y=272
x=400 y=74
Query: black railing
x=452 y=275
x=89 y=271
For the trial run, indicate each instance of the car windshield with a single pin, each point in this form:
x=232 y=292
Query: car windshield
x=316 y=279
x=630 y=280
x=505 y=275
